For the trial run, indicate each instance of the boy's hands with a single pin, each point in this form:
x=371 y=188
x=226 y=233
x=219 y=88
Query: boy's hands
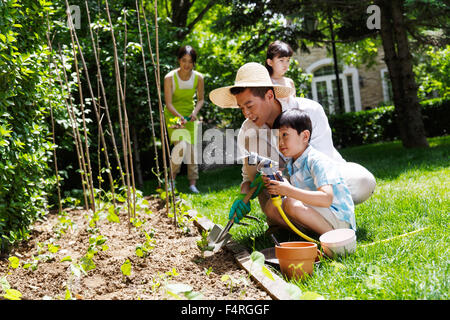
x=281 y=188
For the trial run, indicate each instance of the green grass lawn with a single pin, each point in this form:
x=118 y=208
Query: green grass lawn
x=412 y=193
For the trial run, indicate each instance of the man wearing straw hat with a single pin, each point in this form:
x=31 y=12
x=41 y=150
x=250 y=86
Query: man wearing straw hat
x=255 y=94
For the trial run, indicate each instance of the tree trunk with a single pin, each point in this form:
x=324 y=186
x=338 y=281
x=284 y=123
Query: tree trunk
x=180 y=13
x=399 y=62
x=180 y=10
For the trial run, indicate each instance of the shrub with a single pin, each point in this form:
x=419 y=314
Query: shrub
x=26 y=149
x=377 y=125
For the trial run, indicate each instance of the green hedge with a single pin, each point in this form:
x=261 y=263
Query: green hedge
x=377 y=125
x=27 y=174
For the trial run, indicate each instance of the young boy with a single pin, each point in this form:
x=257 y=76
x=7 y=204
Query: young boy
x=317 y=196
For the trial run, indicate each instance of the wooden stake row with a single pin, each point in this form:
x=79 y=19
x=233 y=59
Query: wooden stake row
x=80 y=135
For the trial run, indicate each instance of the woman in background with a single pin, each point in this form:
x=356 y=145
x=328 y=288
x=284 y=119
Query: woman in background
x=181 y=112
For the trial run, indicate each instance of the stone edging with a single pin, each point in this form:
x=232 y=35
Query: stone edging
x=277 y=288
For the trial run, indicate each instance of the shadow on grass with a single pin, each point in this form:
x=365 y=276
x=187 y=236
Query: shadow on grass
x=363 y=235
x=261 y=241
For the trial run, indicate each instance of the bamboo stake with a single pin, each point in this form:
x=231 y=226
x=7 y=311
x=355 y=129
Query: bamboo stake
x=121 y=102
x=148 y=94
x=161 y=113
x=52 y=119
x=100 y=78
x=98 y=117
x=76 y=131
x=161 y=107
x=91 y=184
x=163 y=131
x=100 y=168
x=130 y=153
x=127 y=129
x=125 y=54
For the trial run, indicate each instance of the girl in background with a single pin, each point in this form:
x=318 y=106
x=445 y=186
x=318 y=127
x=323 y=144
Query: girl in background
x=180 y=87
x=278 y=58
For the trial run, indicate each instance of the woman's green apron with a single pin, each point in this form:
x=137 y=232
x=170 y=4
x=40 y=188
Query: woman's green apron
x=183 y=101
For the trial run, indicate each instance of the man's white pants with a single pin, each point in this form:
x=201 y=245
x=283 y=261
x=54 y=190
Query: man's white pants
x=359 y=180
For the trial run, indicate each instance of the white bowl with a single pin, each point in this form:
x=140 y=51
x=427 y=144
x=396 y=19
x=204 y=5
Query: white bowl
x=338 y=242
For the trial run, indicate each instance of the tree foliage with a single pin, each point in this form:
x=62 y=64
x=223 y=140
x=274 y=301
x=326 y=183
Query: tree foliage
x=432 y=70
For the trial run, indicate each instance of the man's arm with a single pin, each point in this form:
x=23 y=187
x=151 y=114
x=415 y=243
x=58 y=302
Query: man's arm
x=245 y=187
x=248 y=171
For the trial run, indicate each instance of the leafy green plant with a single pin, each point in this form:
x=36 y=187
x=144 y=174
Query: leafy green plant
x=66 y=258
x=112 y=216
x=9 y=294
x=126 y=268
x=208 y=271
x=143 y=250
x=14 y=262
x=258 y=258
x=4 y=284
x=32 y=263
x=53 y=248
x=175 y=289
x=70 y=202
x=87 y=263
x=64 y=224
x=96 y=243
x=181 y=210
x=183 y=218
x=68 y=294
x=229 y=281
x=432 y=72
x=161 y=280
x=45 y=252
x=12 y=294
x=203 y=243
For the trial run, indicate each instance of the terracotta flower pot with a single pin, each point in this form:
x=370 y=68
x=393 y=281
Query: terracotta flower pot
x=296 y=258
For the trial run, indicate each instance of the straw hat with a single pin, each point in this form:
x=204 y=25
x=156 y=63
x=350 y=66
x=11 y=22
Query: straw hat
x=251 y=74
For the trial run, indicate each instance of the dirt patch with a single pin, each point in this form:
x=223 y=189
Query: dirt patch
x=49 y=263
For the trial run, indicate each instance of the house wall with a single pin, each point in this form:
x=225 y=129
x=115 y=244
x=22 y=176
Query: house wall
x=371 y=89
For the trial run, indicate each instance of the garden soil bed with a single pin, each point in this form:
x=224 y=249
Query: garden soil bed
x=175 y=258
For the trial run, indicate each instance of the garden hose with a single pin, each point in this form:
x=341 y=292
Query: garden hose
x=277 y=203
x=276 y=200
